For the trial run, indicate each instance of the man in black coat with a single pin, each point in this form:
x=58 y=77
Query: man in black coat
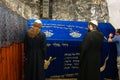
x=35 y=52
x=89 y=68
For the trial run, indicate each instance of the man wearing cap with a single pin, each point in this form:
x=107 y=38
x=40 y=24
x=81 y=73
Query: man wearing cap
x=89 y=67
x=34 y=52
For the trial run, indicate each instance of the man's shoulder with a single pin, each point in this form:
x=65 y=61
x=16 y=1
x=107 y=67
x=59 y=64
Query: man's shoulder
x=96 y=32
x=42 y=33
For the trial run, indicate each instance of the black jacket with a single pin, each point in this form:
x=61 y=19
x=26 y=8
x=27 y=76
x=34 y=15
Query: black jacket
x=90 y=57
x=35 y=50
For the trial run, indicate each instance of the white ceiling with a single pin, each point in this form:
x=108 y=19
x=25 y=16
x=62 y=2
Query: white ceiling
x=114 y=12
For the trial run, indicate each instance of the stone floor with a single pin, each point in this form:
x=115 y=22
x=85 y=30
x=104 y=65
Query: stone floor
x=70 y=79
x=62 y=79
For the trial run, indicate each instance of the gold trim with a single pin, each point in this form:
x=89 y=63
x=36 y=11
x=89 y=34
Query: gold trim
x=104 y=65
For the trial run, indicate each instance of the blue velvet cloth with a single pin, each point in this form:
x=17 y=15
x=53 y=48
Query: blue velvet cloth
x=63 y=38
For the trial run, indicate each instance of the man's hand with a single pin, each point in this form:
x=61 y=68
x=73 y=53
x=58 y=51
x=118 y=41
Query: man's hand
x=110 y=35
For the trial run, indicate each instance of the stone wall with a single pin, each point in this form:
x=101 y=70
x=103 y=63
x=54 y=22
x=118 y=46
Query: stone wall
x=25 y=10
x=78 y=10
